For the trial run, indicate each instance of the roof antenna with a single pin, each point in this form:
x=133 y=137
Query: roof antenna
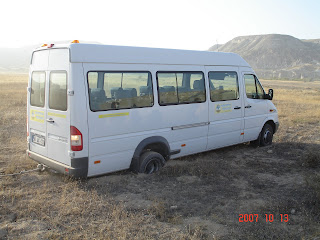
x=217 y=45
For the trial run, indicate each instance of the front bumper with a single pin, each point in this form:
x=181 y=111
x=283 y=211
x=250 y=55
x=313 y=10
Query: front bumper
x=78 y=168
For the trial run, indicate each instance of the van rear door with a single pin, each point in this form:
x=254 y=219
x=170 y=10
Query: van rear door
x=37 y=113
x=48 y=111
x=58 y=118
x=58 y=109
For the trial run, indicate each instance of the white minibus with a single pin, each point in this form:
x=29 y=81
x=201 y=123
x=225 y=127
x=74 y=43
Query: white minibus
x=95 y=109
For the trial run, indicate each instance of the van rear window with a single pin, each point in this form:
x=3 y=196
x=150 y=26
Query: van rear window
x=58 y=91
x=119 y=90
x=37 y=96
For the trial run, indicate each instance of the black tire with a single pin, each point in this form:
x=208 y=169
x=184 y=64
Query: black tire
x=150 y=162
x=266 y=135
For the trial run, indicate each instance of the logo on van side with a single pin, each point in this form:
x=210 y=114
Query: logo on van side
x=222 y=108
x=37 y=116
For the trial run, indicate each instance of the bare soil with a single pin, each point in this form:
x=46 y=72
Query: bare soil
x=195 y=197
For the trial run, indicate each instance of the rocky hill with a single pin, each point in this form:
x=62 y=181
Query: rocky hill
x=272 y=56
x=277 y=56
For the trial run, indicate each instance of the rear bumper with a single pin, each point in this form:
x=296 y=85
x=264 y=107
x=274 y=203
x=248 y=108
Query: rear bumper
x=78 y=168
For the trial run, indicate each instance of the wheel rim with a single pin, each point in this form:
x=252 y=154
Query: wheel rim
x=152 y=166
x=267 y=136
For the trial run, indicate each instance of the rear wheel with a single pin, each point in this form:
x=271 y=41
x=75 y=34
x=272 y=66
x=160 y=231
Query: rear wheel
x=266 y=135
x=150 y=162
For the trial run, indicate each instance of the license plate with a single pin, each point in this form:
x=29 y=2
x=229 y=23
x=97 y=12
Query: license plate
x=38 y=139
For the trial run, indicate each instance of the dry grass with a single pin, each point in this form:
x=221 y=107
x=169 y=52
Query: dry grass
x=196 y=197
x=298 y=104
x=49 y=206
x=304 y=103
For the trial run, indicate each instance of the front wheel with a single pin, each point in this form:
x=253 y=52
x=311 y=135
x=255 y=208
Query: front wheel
x=266 y=135
x=150 y=162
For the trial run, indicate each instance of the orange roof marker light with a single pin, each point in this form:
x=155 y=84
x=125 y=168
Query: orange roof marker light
x=75 y=41
x=44 y=45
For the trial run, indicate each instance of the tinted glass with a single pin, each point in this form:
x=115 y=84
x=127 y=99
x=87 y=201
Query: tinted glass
x=260 y=92
x=167 y=84
x=92 y=80
x=223 y=86
x=37 y=96
x=253 y=87
x=119 y=90
x=58 y=91
x=181 y=87
x=250 y=83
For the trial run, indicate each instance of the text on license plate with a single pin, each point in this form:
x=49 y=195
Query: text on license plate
x=38 y=139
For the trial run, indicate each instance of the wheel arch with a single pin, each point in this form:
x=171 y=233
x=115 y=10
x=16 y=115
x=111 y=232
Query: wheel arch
x=272 y=123
x=155 y=143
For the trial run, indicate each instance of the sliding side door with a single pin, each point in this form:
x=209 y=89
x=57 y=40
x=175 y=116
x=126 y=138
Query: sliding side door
x=225 y=107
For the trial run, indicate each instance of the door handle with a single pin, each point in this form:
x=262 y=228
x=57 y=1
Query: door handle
x=50 y=120
x=249 y=106
x=237 y=107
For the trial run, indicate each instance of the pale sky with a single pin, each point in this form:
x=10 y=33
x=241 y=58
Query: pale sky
x=186 y=24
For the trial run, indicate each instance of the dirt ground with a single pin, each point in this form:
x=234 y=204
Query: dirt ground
x=195 y=197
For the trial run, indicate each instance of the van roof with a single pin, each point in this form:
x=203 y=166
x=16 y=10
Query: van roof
x=98 y=53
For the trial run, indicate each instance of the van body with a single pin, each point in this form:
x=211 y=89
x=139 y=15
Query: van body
x=95 y=109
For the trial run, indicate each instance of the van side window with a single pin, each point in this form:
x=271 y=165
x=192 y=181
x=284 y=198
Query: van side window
x=253 y=87
x=180 y=87
x=92 y=80
x=58 y=91
x=37 y=96
x=223 y=86
x=119 y=90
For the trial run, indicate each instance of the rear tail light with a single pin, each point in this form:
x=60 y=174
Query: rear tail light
x=76 y=139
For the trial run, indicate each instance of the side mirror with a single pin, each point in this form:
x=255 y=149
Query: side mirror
x=270 y=94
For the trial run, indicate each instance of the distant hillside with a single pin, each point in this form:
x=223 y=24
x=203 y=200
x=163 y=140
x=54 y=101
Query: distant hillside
x=18 y=59
x=216 y=47
x=272 y=56
x=277 y=56
x=15 y=59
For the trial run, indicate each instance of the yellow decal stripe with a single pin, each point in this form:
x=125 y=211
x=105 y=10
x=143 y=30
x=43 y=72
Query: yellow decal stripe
x=37 y=116
x=57 y=115
x=114 y=115
x=36 y=120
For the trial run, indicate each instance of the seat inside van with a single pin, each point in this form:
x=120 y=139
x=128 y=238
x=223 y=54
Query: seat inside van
x=198 y=85
x=97 y=97
x=145 y=90
x=168 y=94
x=58 y=97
